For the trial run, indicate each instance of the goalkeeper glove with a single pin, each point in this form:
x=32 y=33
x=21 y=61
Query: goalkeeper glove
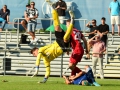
x=44 y=80
x=36 y=71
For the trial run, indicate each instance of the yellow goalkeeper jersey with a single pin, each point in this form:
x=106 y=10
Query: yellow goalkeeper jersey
x=47 y=54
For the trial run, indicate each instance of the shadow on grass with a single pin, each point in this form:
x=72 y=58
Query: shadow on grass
x=110 y=85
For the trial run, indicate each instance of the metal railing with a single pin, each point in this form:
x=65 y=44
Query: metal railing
x=17 y=46
x=51 y=20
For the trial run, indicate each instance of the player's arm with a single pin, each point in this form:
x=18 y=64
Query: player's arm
x=78 y=75
x=66 y=80
x=37 y=64
x=38 y=58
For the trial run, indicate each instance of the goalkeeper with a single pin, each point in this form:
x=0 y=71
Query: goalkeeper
x=52 y=51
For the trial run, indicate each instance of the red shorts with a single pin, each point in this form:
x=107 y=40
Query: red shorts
x=76 y=70
x=76 y=56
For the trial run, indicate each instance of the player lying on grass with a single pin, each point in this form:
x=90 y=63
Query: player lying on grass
x=82 y=78
x=77 y=49
x=52 y=51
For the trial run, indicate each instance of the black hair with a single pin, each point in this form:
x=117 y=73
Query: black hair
x=5 y=6
x=28 y=5
x=32 y=50
x=103 y=18
x=94 y=20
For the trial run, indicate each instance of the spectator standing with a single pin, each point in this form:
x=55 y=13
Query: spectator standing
x=114 y=10
x=93 y=31
x=103 y=29
x=31 y=15
x=4 y=16
x=24 y=22
x=98 y=50
x=61 y=8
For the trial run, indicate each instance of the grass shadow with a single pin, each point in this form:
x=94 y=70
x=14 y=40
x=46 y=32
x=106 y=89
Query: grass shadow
x=110 y=85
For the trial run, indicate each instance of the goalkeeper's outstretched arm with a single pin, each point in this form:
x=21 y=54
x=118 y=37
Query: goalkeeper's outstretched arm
x=36 y=53
x=37 y=64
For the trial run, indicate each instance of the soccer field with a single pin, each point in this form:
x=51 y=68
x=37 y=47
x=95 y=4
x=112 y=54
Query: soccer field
x=54 y=83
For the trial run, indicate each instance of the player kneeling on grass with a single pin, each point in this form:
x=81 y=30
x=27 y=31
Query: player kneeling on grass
x=52 y=51
x=82 y=78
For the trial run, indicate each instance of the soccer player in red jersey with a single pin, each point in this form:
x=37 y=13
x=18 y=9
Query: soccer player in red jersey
x=77 y=49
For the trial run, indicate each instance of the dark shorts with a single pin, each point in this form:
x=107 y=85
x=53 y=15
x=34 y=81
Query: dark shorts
x=60 y=41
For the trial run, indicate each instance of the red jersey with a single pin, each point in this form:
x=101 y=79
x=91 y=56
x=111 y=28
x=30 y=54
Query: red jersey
x=76 y=37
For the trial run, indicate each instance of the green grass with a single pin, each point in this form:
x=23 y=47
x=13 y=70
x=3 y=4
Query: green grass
x=27 y=83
